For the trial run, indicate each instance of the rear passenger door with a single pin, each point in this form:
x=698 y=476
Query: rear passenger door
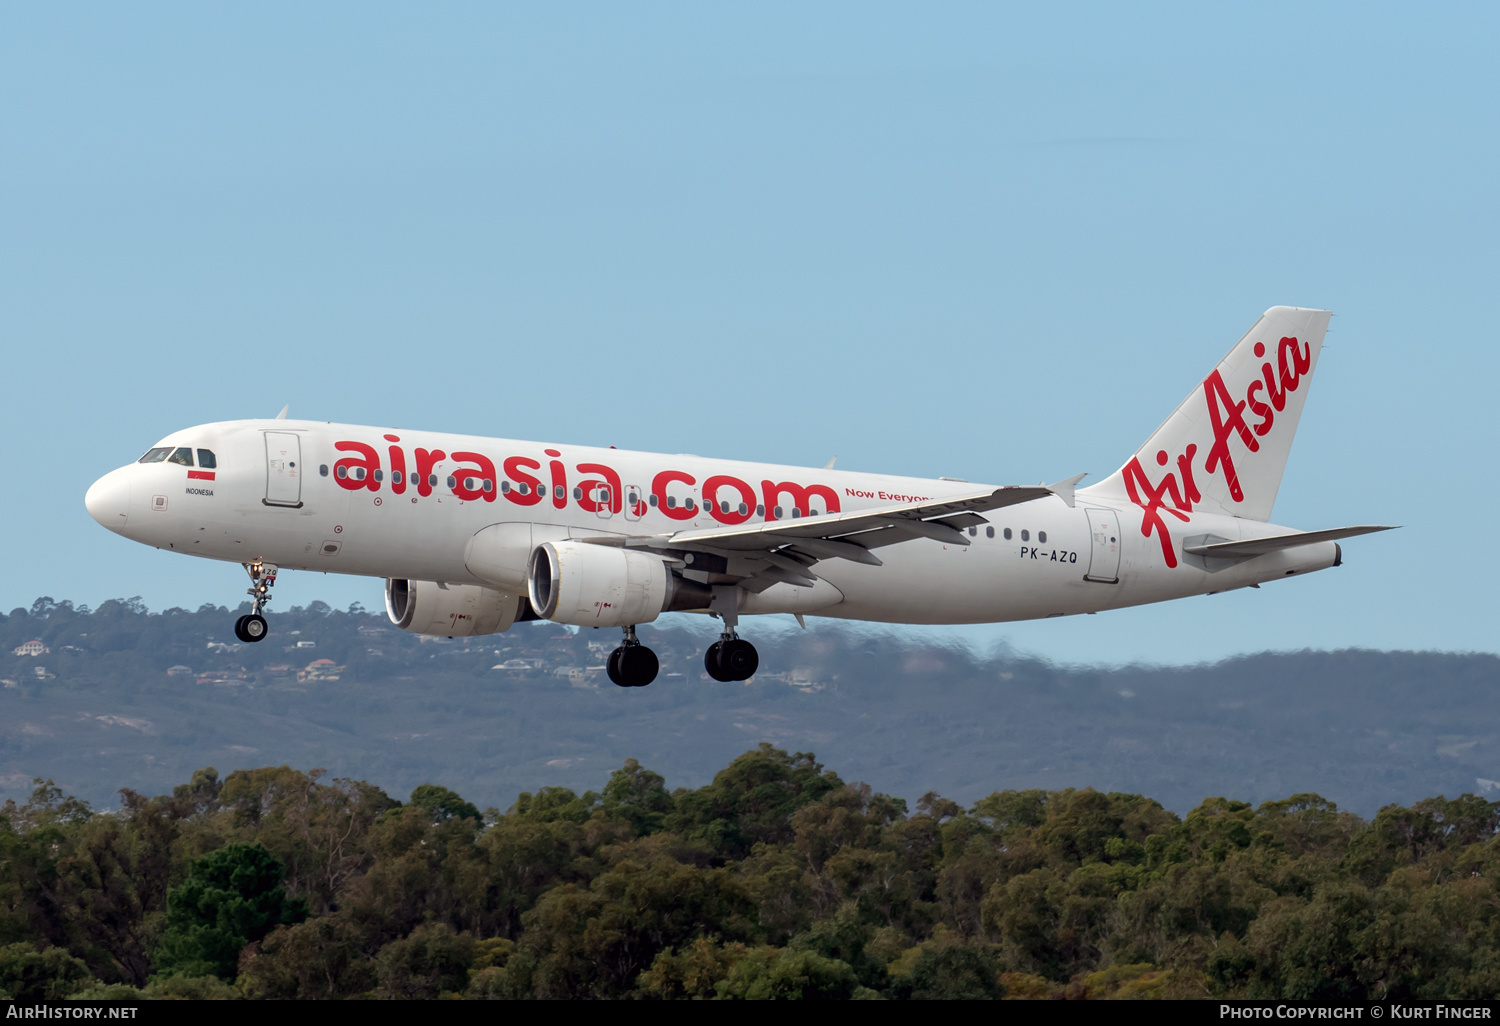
x=1104 y=548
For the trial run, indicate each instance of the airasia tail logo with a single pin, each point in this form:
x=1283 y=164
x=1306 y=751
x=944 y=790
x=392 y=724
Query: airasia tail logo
x=1177 y=490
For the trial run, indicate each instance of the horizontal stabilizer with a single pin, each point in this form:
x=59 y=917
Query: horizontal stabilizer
x=1261 y=546
x=1064 y=489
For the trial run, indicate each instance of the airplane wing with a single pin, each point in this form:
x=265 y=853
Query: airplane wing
x=1261 y=546
x=784 y=550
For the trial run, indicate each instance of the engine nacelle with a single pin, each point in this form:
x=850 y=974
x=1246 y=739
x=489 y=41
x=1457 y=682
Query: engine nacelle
x=451 y=610
x=601 y=586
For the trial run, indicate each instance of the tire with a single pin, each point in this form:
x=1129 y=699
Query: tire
x=254 y=627
x=612 y=667
x=638 y=666
x=738 y=660
x=711 y=663
x=239 y=628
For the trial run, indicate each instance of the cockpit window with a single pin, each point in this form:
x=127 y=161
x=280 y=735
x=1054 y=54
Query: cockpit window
x=206 y=459
x=156 y=455
x=182 y=457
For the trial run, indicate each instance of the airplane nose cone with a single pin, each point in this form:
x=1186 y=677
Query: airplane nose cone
x=108 y=500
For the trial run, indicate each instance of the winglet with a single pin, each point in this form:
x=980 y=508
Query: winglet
x=284 y=409
x=830 y=463
x=1064 y=489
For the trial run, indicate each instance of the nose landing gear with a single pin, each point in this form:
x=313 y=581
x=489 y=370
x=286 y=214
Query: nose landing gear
x=632 y=665
x=253 y=627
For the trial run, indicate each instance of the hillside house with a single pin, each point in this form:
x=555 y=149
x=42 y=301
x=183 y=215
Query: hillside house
x=319 y=670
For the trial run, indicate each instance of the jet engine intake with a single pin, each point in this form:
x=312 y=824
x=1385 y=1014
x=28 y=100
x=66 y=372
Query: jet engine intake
x=602 y=586
x=452 y=610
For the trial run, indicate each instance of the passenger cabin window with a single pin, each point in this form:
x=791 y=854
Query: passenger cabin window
x=989 y=532
x=1026 y=536
x=182 y=457
x=1007 y=534
x=1041 y=536
x=156 y=455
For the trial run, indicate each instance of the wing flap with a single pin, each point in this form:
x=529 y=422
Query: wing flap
x=939 y=518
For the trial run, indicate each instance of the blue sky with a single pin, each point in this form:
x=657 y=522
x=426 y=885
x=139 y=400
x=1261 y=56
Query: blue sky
x=995 y=242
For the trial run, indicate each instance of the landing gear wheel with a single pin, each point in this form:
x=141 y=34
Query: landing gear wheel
x=632 y=666
x=639 y=665
x=250 y=628
x=738 y=659
x=711 y=663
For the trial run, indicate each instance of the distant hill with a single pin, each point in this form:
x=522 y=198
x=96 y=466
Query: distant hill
x=125 y=698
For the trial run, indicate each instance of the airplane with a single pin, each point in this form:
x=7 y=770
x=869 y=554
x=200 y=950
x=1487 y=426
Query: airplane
x=475 y=534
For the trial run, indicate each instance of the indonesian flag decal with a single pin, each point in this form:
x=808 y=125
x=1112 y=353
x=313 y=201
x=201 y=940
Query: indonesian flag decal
x=200 y=475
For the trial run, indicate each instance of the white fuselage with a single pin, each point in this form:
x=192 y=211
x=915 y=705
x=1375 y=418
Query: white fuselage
x=319 y=496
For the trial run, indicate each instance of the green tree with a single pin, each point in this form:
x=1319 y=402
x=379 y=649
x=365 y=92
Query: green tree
x=431 y=960
x=693 y=971
x=49 y=974
x=318 y=959
x=442 y=803
x=751 y=800
x=947 y=968
x=232 y=896
x=638 y=796
x=779 y=974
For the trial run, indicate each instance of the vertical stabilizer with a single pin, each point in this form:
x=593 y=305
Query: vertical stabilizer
x=1225 y=447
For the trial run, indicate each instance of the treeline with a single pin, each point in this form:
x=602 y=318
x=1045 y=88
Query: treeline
x=777 y=879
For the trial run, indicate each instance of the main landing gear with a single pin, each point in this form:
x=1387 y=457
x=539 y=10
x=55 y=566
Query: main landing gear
x=632 y=665
x=731 y=658
x=262 y=577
